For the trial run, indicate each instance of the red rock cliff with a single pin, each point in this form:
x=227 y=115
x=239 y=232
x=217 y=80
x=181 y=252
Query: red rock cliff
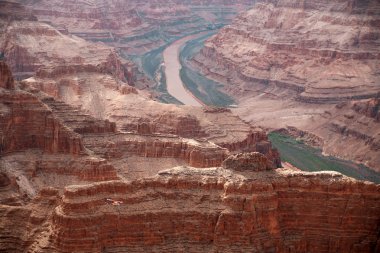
x=26 y=123
x=214 y=210
x=324 y=51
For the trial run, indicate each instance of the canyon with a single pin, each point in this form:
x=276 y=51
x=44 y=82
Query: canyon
x=92 y=160
x=304 y=65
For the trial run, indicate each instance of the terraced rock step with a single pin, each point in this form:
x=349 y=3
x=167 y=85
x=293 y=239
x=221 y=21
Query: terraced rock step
x=77 y=120
x=339 y=63
x=213 y=210
x=121 y=145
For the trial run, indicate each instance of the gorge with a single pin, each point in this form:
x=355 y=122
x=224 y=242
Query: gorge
x=98 y=154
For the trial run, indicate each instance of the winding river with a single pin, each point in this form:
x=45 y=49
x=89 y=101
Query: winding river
x=175 y=86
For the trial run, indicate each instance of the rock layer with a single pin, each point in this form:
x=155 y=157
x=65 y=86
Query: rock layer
x=325 y=52
x=214 y=210
x=26 y=123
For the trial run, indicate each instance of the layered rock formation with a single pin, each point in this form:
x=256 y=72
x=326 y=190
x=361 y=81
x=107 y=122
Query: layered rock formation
x=91 y=77
x=136 y=30
x=247 y=162
x=132 y=25
x=47 y=143
x=102 y=137
x=85 y=163
x=213 y=210
x=246 y=205
x=34 y=136
x=34 y=47
x=290 y=63
x=23 y=113
x=324 y=52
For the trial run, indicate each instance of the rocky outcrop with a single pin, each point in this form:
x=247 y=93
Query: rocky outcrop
x=214 y=210
x=353 y=132
x=76 y=119
x=25 y=114
x=30 y=230
x=187 y=126
x=201 y=154
x=102 y=138
x=370 y=108
x=26 y=123
x=255 y=141
x=247 y=162
x=51 y=54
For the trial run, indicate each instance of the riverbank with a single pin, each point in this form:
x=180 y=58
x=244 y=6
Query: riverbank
x=207 y=90
x=311 y=159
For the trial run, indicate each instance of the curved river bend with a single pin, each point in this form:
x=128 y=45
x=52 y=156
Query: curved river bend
x=175 y=86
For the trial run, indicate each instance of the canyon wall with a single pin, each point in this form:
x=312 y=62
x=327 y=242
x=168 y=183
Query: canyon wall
x=26 y=123
x=326 y=51
x=56 y=54
x=216 y=210
x=75 y=132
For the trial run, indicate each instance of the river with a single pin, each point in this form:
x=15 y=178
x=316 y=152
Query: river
x=175 y=86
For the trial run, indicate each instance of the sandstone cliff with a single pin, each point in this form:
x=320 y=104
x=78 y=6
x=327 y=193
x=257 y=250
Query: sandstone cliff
x=34 y=47
x=216 y=210
x=324 y=52
x=27 y=123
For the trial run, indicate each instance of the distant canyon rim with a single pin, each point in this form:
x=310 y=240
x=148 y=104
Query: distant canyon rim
x=100 y=151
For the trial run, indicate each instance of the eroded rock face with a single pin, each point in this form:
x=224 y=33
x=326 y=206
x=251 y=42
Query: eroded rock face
x=245 y=206
x=199 y=154
x=58 y=55
x=261 y=212
x=247 y=162
x=370 y=108
x=324 y=52
x=26 y=123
